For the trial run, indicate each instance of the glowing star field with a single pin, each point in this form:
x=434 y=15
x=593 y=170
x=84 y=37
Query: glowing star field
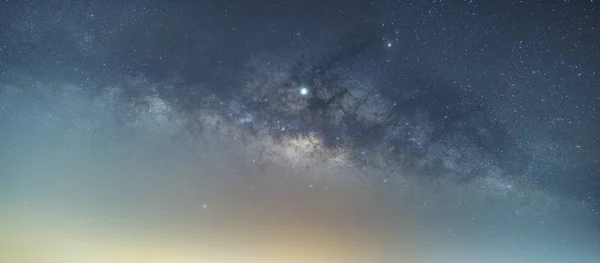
x=299 y=131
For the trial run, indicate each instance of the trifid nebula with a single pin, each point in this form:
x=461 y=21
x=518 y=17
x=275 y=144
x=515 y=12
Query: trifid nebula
x=299 y=131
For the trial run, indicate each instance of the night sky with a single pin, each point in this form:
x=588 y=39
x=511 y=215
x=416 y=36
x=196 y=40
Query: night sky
x=299 y=131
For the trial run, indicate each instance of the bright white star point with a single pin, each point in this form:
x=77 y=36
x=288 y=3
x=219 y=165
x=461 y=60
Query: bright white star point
x=303 y=91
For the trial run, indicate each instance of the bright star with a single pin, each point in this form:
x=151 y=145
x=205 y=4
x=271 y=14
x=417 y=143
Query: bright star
x=303 y=91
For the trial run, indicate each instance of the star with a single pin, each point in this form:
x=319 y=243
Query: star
x=303 y=91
